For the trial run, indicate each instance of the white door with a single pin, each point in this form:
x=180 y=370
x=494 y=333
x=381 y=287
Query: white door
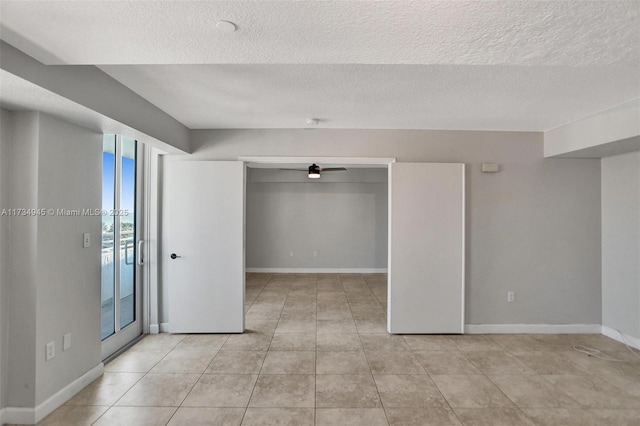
x=203 y=245
x=426 y=243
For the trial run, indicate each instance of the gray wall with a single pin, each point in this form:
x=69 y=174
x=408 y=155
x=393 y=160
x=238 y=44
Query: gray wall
x=533 y=228
x=5 y=143
x=621 y=243
x=68 y=300
x=342 y=217
x=54 y=283
x=23 y=175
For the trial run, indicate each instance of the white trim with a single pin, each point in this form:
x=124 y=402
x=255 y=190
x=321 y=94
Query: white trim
x=2 y=410
x=389 y=239
x=464 y=246
x=153 y=240
x=30 y=416
x=18 y=416
x=318 y=270
x=154 y=328
x=533 y=328
x=164 y=327
x=363 y=161
x=614 y=334
x=146 y=232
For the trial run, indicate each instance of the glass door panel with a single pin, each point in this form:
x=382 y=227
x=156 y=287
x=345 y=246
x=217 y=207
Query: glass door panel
x=127 y=232
x=120 y=293
x=108 y=236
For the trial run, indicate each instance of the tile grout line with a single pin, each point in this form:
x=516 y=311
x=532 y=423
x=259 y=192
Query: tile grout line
x=315 y=364
x=367 y=359
x=267 y=351
x=196 y=382
x=144 y=374
x=361 y=298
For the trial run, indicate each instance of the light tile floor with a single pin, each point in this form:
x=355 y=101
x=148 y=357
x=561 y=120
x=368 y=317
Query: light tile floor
x=317 y=352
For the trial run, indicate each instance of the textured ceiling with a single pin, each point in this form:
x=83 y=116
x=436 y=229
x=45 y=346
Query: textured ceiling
x=329 y=32
x=379 y=96
x=470 y=65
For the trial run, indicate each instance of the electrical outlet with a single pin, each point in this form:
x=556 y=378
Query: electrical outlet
x=66 y=342
x=291 y=253
x=86 y=240
x=511 y=296
x=50 y=350
x=315 y=254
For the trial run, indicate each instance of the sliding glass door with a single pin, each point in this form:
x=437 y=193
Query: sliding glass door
x=120 y=257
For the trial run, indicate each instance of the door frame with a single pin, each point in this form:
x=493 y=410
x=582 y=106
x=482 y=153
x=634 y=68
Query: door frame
x=284 y=161
x=124 y=336
x=369 y=162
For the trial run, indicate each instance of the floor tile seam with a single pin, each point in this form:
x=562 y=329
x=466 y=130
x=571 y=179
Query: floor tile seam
x=515 y=403
x=604 y=376
x=147 y=406
x=391 y=351
x=477 y=366
x=106 y=405
x=374 y=294
x=517 y=409
x=145 y=374
x=315 y=364
x=376 y=385
x=447 y=400
x=260 y=370
x=170 y=348
x=349 y=407
x=167 y=422
x=193 y=386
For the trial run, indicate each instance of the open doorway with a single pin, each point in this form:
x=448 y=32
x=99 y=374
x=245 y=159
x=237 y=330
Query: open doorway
x=316 y=249
x=337 y=223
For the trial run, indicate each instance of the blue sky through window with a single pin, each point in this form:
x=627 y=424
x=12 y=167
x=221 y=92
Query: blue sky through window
x=127 y=201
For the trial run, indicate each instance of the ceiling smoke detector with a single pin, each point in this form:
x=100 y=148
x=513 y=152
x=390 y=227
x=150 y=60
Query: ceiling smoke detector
x=226 y=26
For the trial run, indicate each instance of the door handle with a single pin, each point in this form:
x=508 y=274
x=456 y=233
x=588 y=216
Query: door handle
x=174 y=256
x=140 y=259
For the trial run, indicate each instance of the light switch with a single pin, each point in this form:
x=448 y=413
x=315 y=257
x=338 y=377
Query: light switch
x=66 y=342
x=490 y=168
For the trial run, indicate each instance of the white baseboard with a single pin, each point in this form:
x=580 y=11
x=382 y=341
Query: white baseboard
x=164 y=327
x=318 y=270
x=614 y=334
x=533 y=328
x=19 y=416
x=154 y=329
x=2 y=416
x=31 y=416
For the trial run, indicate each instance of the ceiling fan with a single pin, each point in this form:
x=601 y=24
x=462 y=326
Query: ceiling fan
x=314 y=170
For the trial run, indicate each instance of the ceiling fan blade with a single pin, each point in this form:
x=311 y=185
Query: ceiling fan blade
x=297 y=170
x=333 y=169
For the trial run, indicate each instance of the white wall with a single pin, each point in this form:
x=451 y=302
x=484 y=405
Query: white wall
x=342 y=217
x=533 y=228
x=54 y=283
x=621 y=243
